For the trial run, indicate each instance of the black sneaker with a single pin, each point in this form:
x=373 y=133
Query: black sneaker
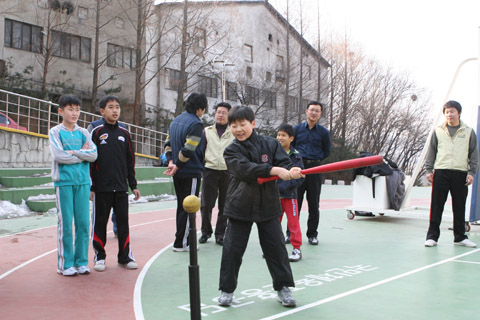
x=287 y=239
x=285 y=297
x=219 y=241
x=204 y=238
x=313 y=241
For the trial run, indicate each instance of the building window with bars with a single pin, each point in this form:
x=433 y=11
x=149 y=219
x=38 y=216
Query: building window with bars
x=120 y=57
x=252 y=95
x=292 y=103
x=208 y=86
x=270 y=99
x=231 y=91
x=22 y=36
x=173 y=80
x=248 y=52
x=71 y=46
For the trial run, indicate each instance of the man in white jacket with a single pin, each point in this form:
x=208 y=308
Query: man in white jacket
x=215 y=177
x=452 y=161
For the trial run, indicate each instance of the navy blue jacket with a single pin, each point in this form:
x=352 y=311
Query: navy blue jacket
x=182 y=126
x=288 y=188
x=313 y=144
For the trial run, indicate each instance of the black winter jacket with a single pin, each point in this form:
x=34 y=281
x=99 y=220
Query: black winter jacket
x=115 y=164
x=246 y=161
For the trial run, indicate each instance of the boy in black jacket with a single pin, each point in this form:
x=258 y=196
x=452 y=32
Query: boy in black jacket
x=249 y=157
x=115 y=166
x=288 y=192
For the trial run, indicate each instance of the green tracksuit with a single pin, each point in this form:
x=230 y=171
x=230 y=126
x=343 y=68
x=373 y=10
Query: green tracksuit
x=70 y=174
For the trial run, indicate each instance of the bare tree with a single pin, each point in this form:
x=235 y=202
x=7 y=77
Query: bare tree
x=372 y=107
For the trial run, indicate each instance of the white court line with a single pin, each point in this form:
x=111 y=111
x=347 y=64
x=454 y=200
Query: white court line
x=137 y=292
x=26 y=263
x=52 y=251
x=463 y=261
x=378 y=283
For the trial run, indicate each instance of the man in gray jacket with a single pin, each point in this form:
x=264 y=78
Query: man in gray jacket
x=215 y=177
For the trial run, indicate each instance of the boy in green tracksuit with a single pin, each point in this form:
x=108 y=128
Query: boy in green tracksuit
x=72 y=149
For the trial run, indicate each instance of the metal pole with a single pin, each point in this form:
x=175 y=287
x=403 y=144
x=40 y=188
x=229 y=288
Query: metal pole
x=223 y=82
x=193 y=271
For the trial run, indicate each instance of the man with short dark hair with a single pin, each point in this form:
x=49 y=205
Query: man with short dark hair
x=313 y=142
x=451 y=163
x=184 y=149
x=215 y=177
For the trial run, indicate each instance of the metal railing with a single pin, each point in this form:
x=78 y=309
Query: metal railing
x=38 y=116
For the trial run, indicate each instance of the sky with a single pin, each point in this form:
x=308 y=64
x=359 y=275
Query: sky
x=428 y=39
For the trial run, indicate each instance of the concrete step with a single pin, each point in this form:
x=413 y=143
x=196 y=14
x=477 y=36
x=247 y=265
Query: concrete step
x=41 y=205
x=20 y=182
x=147 y=188
x=23 y=172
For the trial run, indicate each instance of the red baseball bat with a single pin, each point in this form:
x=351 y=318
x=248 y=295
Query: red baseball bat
x=335 y=166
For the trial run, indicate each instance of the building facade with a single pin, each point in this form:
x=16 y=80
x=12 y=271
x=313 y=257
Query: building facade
x=237 y=49
x=234 y=48
x=54 y=41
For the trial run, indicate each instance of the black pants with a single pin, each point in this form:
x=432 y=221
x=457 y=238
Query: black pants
x=215 y=183
x=312 y=185
x=103 y=203
x=445 y=181
x=183 y=188
x=273 y=247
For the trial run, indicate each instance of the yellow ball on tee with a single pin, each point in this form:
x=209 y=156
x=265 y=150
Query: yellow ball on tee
x=191 y=204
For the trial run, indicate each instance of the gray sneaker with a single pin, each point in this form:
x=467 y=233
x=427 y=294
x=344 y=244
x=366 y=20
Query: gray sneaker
x=285 y=297
x=225 y=299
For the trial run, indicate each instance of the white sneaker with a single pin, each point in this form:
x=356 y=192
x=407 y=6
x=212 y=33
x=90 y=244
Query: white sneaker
x=99 y=266
x=225 y=299
x=69 y=272
x=296 y=255
x=83 y=270
x=430 y=243
x=129 y=265
x=182 y=249
x=466 y=243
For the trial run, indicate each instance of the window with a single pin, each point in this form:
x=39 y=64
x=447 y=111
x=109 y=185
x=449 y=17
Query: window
x=200 y=38
x=208 y=86
x=22 y=36
x=249 y=72
x=71 y=46
x=292 y=103
x=248 y=52
x=173 y=79
x=120 y=57
x=268 y=76
x=42 y=3
x=270 y=99
x=119 y=23
x=280 y=65
x=304 y=104
x=231 y=89
x=252 y=95
x=82 y=12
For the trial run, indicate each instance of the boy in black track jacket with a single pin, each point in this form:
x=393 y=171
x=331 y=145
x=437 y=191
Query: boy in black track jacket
x=114 y=166
x=249 y=157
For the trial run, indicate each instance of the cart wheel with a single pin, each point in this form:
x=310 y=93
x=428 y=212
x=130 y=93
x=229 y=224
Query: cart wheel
x=382 y=214
x=467 y=226
x=350 y=215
